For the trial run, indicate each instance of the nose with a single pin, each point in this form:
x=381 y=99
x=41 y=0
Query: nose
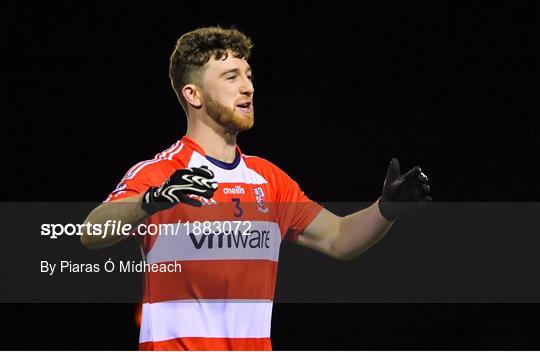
x=247 y=87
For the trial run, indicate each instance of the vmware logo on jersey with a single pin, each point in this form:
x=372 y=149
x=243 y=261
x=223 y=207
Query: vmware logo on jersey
x=256 y=239
x=234 y=190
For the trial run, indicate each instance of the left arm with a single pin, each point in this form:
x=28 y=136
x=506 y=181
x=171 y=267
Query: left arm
x=345 y=237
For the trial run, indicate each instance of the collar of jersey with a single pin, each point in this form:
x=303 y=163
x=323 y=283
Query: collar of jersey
x=221 y=164
x=224 y=165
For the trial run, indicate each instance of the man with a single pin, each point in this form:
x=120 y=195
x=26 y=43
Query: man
x=222 y=298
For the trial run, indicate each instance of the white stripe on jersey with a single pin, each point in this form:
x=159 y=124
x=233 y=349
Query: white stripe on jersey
x=209 y=318
x=167 y=154
x=176 y=152
x=130 y=171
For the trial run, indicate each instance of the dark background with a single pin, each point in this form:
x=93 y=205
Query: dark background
x=340 y=89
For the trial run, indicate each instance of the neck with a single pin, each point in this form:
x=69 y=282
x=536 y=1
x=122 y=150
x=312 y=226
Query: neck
x=215 y=140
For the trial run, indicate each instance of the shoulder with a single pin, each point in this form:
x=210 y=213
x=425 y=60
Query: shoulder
x=158 y=169
x=259 y=164
x=270 y=171
x=151 y=172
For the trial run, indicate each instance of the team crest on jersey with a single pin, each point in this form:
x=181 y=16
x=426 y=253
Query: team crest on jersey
x=259 y=196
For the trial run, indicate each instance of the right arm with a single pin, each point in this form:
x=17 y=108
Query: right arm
x=133 y=210
x=126 y=210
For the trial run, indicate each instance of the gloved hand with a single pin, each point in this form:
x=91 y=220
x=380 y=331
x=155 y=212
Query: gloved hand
x=195 y=180
x=403 y=193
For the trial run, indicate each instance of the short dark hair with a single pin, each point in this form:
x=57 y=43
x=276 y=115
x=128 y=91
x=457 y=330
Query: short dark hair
x=194 y=49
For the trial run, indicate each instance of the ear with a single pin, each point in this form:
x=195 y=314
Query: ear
x=191 y=94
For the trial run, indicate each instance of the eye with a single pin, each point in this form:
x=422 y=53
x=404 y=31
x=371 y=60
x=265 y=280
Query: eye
x=231 y=78
x=251 y=77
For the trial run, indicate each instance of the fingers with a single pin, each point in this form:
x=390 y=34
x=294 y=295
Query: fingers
x=413 y=173
x=196 y=171
x=181 y=194
x=199 y=181
x=393 y=171
x=191 y=201
x=425 y=188
x=426 y=199
x=177 y=177
x=203 y=171
x=416 y=174
x=200 y=177
x=420 y=181
x=422 y=177
x=190 y=189
x=205 y=175
x=213 y=185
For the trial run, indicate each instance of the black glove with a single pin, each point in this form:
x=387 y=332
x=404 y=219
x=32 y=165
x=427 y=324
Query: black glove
x=195 y=180
x=403 y=193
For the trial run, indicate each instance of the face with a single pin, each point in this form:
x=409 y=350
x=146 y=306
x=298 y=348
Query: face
x=227 y=93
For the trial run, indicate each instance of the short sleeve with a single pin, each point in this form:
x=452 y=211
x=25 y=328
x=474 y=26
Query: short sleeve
x=127 y=188
x=296 y=210
x=140 y=177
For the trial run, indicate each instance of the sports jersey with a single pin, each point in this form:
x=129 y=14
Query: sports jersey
x=222 y=298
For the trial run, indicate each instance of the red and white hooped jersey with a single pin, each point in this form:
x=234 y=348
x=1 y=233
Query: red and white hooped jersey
x=222 y=298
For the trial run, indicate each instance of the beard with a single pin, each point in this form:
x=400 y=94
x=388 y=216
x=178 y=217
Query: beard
x=230 y=119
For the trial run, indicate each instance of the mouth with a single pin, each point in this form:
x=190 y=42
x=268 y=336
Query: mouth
x=246 y=107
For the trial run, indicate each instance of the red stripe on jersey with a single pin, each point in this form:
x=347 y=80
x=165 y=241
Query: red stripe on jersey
x=213 y=279
x=208 y=344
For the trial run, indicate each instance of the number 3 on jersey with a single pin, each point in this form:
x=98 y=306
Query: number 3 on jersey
x=239 y=211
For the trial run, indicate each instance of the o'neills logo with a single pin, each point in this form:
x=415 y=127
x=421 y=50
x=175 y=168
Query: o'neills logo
x=234 y=190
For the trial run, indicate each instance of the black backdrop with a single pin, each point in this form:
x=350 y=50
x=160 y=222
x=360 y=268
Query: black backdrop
x=339 y=87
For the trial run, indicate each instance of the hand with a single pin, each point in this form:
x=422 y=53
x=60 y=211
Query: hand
x=403 y=193
x=183 y=182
